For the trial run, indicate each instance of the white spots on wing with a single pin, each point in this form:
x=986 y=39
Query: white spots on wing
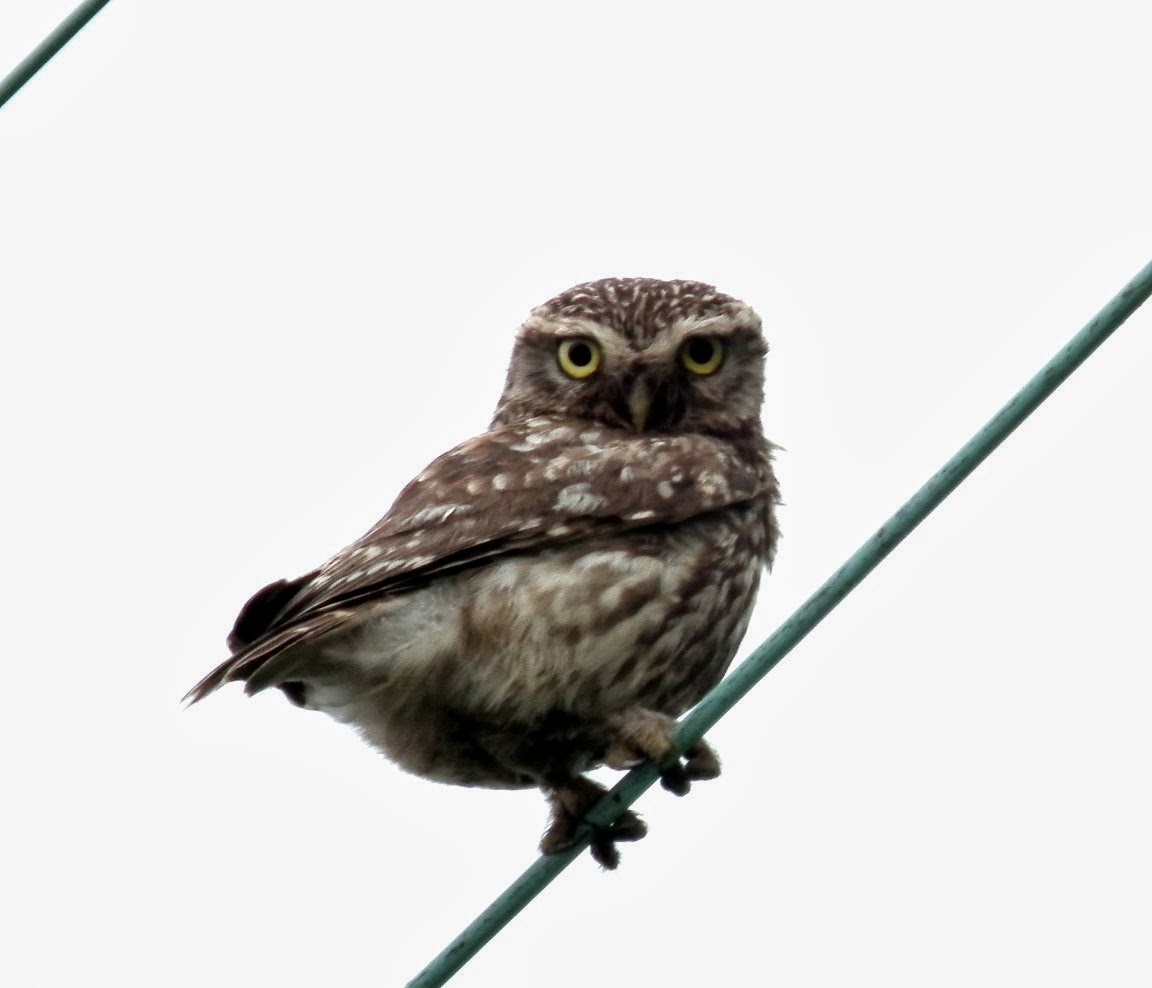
x=434 y=513
x=537 y=433
x=559 y=531
x=500 y=482
x=665 y=489
x=386 y=566
x=352 y=566
x=574 y=462
x=578 y=499
x=641 y=515
x=591 y=436
x=474 y=486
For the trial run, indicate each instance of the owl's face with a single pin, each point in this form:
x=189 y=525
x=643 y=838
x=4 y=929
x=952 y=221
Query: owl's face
x=640 y=354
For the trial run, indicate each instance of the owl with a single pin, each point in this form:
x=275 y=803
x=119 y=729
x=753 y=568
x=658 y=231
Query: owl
x=547 y=597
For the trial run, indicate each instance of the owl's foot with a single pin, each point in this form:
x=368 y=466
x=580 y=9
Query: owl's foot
x=644 y=734
x=571 y=800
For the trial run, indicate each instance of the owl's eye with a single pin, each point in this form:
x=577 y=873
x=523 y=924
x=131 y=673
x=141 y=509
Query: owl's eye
x=702 y=355
x=578 y=358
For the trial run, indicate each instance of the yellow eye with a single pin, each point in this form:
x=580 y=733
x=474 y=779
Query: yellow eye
x=703 y=355
x=578 y=358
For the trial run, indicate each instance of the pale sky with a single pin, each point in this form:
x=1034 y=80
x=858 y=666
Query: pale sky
x=261 y=262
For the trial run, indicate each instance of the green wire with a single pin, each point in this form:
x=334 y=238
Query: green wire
x=725 y=696
x=65 y=31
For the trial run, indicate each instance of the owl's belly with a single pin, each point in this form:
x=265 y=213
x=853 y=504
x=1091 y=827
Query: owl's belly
x=653 y=619
x=502 y=674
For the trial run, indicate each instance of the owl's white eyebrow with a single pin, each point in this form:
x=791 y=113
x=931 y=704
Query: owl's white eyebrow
x=569 y=326
x=697 y=324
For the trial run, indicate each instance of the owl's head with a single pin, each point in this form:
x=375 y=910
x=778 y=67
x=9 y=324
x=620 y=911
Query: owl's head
x=641 y=354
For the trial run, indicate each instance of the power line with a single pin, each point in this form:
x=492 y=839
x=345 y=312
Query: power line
x=65 y=31
x=725 y=696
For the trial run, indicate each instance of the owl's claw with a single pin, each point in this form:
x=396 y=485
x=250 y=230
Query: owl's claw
x=699 y=763
x=571 y=801
x=644 y=734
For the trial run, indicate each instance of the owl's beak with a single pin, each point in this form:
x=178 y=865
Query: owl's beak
x=640 y=404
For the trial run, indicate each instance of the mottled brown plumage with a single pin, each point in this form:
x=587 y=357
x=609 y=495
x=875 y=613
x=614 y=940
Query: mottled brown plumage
x=547 y=597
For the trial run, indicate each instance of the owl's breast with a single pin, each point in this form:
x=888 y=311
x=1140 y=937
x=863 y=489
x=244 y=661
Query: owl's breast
x=650 y=617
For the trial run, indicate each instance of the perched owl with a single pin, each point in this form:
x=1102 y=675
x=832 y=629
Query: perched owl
x=547 y=597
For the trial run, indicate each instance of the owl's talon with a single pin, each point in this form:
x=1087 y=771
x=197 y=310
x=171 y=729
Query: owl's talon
x=604 y=853
x=701 y=762
x=627 y=827
x=675 y=779
x=571 y=801
x=644 y=734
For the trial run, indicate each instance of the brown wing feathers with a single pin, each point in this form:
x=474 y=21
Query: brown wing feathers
x=470 y=505
x=259 y=615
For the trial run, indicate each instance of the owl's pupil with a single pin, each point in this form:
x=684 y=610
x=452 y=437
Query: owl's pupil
x=580 y=354
x=700 y=351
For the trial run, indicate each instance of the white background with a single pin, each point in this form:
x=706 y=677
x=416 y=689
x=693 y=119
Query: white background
x=260 y=262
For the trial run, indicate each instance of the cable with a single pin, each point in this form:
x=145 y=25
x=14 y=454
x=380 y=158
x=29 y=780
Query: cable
x=65 y=31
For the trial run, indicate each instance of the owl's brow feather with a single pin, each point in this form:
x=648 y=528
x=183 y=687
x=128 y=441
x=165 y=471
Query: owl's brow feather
x=641 y=308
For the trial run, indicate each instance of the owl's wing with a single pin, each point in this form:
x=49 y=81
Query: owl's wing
x=543 y=482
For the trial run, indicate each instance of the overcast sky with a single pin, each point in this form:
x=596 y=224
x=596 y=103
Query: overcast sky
x=261 y=262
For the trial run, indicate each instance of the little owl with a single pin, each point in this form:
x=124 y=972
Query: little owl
x=547 y=597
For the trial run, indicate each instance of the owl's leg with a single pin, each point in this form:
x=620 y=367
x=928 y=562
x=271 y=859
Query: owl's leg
x=571 y=800
x=644 y=734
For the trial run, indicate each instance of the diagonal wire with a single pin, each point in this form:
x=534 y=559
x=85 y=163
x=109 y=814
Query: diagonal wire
x=717 y=703
x=65 y=31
